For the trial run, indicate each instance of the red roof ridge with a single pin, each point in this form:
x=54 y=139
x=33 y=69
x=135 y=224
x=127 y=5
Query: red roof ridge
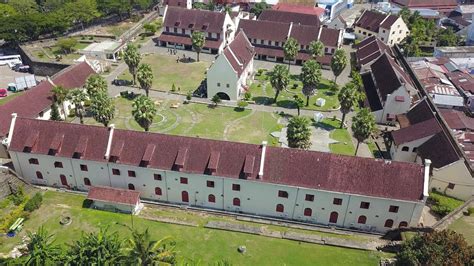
x=114 y=195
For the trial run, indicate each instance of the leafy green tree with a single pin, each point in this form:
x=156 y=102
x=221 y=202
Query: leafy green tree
x=198 y=39
x=55 y=116
x=132 y=58
x=405 y=14
x=142 y=250
x=7 y=10
x=102 y=107
x=144 y=110
x=298 y=102
x=316 y=49
x=447 y=37
x=363 y=125
x=259 y=7
x=67 y=44
x=114 y=7
x=290 y=49
x=348 y=97
x=279 y=79
x=96 y=84
x=98 y=248
x=338 y=63
x=150 y=28
x=78 y=97
x=444 y=247
x=242 y=104
x=310 y=76
x=59 y=97
x=24 y=7
x=216 y=99
x=145 y=77
x=357 y=80
x=82 y=11
x=299 y=133
x=41 y=248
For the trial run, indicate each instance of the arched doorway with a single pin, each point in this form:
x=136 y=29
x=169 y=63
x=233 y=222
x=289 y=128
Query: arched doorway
x=184 y=196
x=223 y=96
x=403 y=224
x=308 y=212
x=63 y=180
x=333 y=217
x=362 y=219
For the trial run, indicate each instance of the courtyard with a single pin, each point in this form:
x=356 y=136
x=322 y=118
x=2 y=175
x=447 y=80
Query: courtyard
x=465 y=226
x=194 y=243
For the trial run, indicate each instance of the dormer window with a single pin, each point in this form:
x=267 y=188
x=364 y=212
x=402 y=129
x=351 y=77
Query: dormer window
x=190 y=25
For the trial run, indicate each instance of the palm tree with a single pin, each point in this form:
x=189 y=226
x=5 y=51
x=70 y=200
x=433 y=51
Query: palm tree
x=78 y=97
x=142 y=250
x=348 y=97
x=316 y=49
x=59 y=96
x=298 y=102
x=95 y=84
x=101 y=248
x=338 y=63
x=145 y=77
x=132 y=58
x=363 y=125
x=102 y=108
x=279 y=79
x=144 y=110
x=310 y=76
x=41 y=250
x=290 y=49
x=299 y=133
x=198 y=39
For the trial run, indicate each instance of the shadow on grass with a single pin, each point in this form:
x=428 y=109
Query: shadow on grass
x=239 y=109
x=286 y=104
x=263 y=100
x=325 y=125
x=86 y=203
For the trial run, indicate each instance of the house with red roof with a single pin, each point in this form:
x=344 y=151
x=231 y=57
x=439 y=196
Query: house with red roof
x=338 y=191
x=369 y=50
x=227 y=76
x=179 y=23
x=115 y=199
x=390 y=29
x=444 y=6
x=300 y=9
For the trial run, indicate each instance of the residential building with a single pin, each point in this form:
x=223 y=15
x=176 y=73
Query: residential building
x=455 y=51
x=389 y=90
x=179 y=23
x=369 y=50
x=227 y=76
x=390 y=29
x=188 y=4
x=115 y=199
x=290 y=17
x=444 y=6
x=36 y=102
x=236 y=177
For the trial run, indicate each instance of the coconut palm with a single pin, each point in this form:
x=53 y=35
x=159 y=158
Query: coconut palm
x=144 y=110
x=132 y=58
x=290 y=49
x=78 y=97
x=59 y=96
x=145 y=77
x=338 y=63
x=299 y=133
x=348 y=97
x=198 y=39
x=142 y=250
x=102 y=108
x=363 y=125
x=279 y=79
x=298 y=102
x=310 y=76
x=316 y=48
x=41 y=248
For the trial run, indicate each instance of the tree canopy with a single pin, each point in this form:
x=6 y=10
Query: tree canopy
x=144 y=111
x=310 y=76
x=132 y=58
x=363 y=125
x=145 y=77
x=279 y=79
x=198 y=39
x=316 y=48
x=299 y=133
x=290 y=49
x=338 y=63
x=102 y=107
x=348 y=97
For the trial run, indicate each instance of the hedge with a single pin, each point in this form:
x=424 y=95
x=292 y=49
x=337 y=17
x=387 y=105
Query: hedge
x=34 y=203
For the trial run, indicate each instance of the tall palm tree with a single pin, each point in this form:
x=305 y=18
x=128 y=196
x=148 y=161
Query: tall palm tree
x=95 y=84
x=363 y=125
x=299 y=133
x=78 y=97
x=144 y=110
x=145 y=77
x=348 y=97
x=132 y=58
x=198 y=39
x=279 y=79
x=102 y=108
x=59 y=96
x=142 y=250
x=41 y=248
x=316 y=49
x=338 y=63
x=290 y=49
x=310 y=76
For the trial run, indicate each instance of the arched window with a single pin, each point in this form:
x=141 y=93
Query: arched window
x=63 y=180
x=362 y=219
x=211 y=198
x=184 y=196
x=236 y=202
x=333 y=217
x=87 y=182
x=280 y=208
x=39 y=175
x=405 y=148
x=403 y=224
x=308 y=212
x=388 y=223
x=131 y=187
x=158 y=191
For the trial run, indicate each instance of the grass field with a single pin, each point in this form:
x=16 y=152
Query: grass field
x=11 y=96
x=345 y=146
x=263 y=93
x=185 y=76
x=199 y=120
x=193 y=243
x=465 y=226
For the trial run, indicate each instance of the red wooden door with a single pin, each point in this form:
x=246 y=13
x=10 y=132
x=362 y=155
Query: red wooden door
x=184 y=196
x=63 y=180
x=333 y=217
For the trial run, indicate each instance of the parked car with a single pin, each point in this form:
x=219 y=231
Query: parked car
x=3 y=93
x=21 y=68
x=120 y=82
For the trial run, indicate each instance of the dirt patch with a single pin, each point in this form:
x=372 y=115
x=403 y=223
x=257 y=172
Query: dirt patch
x=64 y=206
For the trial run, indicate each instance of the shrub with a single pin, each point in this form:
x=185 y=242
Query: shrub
x=242 y=104
x=189 y=96
x=443 y=204
x=67 y=44
x=34 y=203
x=470 y=211
x=10 y=218
x=173 y=88
x=18 y=197
x=260 y=71
x=247 y=96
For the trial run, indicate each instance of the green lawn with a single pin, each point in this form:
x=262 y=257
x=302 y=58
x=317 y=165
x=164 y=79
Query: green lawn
x=185 y=76
x=119 y=28
x=465 y=226
x=199 y=120
x=11 y=96
x=263 y=93
x=345 y=146
x=195 y=243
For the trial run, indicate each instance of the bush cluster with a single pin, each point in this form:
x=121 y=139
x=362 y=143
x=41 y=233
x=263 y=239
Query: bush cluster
x=34 y=203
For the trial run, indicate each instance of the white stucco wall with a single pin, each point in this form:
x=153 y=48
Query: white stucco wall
x=457 y=174
x=222 y=72
x=393 y=107
x=398 y=154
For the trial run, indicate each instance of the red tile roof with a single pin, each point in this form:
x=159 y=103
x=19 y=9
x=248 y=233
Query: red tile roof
x=301 y=9
x=415 y=132
x=265 y=30
x=420 y=112
x=439 y=150
x=164 y=37
x=38 y=99
x=389 y=76
x=239 y=53
x=294 y=167
x=329 y=37
x=372 y=20
x=305 y=34
x=114 y=195
x=457 y=120
x=194 y=19
x=176 y=3
x=370 y=49
x=288 y=17
x=440 y=5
